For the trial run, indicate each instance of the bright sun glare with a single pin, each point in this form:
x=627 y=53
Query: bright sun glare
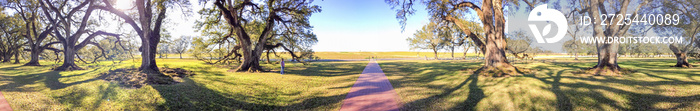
x=123 y=4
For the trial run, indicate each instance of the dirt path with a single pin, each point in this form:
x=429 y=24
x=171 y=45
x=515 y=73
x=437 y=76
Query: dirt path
x=4 y=105
x=371 y=92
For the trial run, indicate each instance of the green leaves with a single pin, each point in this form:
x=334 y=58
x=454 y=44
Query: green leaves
x=428 y=38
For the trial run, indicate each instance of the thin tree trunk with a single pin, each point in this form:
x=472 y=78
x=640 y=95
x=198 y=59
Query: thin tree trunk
x=436 y=55
x=17 y=57
x=453 y=53
x=268 y=57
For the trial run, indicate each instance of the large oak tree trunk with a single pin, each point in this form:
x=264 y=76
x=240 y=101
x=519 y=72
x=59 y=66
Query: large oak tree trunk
x=148 y=52
x=7 y=57
x=251 y=60
x=681 y=58
x=607 y=61
x=495 y=55
x=34 y=57
x=69 y=59
x=607 y=52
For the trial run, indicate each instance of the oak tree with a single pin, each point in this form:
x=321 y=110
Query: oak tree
x=73 y=22
x=36 y=28
x=181 y=44
x=490 y=14
x=429 y=38
x=253 y=24
x=147 y=23
x=11 y=39
x=608 y=52
x=688 y=27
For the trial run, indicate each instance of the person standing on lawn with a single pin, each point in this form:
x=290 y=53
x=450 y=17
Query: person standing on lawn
x=282 y=66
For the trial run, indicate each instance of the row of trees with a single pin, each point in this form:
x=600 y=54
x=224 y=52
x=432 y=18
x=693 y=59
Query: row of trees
x=70 y=29
x=11 y=39
x=174 y=46
x=493 y=42
x=435 y=37
x=625 y=50
x=687 y=28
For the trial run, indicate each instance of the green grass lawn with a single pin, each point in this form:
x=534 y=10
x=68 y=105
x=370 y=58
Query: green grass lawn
x=319 y=86
x=422 y=85
x=446 y=85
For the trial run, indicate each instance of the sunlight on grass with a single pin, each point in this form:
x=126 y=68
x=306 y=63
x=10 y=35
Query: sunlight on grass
x=450 y=85
x=317 y=86
x=422 y=85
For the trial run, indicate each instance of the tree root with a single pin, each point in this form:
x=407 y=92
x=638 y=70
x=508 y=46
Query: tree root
x=68 y=68
x=134 y=78
x=686 y=65
x=503 y=71
x=605 y=71
x=32 y=64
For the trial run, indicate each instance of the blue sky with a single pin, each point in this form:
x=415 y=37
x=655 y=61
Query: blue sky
x=345 y=25
x=358 y=25
x=342 y=25
x=362 y=25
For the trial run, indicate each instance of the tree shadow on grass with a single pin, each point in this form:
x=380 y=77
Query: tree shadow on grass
x=563 y=101
x=327 y=69
x=475 y=94
x=416 y=74
x=50 y=79
x=635 y=100
x=423 y=72
x=192 y=96
x=77 y=96
x=571 y=91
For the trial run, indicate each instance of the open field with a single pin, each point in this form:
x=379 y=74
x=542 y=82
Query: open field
x=422 y=85
x=408 y=54
x=365 y=55
x=350 y=55
x=311 y=87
